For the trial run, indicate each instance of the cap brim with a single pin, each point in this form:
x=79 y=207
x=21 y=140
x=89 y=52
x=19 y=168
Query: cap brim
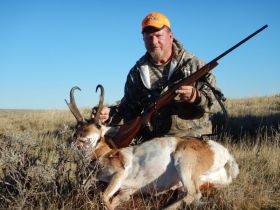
x=151 y=28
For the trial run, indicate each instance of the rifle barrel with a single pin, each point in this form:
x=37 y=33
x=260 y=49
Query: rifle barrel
x=239 y=43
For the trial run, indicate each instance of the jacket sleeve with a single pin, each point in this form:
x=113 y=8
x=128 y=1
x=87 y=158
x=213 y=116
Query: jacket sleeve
x=208 y=99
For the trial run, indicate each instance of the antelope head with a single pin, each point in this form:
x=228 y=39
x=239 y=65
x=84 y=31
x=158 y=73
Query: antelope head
x=88 y=132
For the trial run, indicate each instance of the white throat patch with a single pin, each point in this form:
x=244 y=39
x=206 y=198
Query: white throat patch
x=93 y=138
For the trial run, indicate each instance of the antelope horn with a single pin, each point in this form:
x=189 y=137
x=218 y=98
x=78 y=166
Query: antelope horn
x=100 y=104
x=72 y=105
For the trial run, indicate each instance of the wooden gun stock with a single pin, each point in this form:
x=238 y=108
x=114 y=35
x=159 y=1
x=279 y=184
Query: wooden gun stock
x=127 y=132
x=130 y=129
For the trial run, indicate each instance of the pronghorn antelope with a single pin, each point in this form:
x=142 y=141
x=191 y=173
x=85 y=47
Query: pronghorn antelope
x=158 y=165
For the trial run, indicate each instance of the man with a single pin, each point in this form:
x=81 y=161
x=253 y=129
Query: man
x=165 y=62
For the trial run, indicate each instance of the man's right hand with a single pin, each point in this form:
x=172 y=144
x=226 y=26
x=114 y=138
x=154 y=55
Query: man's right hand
x=104 y=114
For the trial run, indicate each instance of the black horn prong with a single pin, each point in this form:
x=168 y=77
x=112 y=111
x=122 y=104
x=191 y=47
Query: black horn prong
x=72 y=105
x=100 y=104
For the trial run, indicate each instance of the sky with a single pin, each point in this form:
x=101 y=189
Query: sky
x=47 y=47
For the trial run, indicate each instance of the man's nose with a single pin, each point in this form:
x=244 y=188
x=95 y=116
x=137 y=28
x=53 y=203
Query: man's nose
x=153 y=39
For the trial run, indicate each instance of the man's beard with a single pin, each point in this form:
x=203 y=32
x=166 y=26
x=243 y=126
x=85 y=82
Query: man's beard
x=156 y=55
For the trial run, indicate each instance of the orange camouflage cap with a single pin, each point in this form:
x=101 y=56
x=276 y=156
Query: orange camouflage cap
x=156 y=20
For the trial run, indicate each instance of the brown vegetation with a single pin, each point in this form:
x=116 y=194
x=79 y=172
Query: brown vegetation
x=38 y=171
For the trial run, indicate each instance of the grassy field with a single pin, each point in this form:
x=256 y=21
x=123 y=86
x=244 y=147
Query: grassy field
x=38 y=171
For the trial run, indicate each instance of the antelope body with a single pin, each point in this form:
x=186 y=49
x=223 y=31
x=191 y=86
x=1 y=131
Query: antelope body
x=155 y=166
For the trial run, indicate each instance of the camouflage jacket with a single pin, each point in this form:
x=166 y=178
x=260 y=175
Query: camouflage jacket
x=177 y=118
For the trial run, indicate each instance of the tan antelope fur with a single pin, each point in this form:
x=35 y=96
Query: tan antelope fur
x=155 y=166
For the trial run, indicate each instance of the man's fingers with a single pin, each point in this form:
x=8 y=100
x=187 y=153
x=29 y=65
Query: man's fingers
x=185 y=91
x=184 y=87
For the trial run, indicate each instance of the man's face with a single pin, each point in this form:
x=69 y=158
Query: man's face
x=158 y=43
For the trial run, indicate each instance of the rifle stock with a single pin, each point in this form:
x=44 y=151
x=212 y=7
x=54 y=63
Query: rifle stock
x=129 y=130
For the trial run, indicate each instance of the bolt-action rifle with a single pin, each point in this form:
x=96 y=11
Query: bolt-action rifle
x=130 y=129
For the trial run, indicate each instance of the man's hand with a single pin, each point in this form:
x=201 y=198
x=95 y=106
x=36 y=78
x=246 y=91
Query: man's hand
x=188 y=93
x=104 y=114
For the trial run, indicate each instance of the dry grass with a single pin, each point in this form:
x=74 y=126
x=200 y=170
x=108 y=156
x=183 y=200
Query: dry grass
x=257 y=106
x=37 y=171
